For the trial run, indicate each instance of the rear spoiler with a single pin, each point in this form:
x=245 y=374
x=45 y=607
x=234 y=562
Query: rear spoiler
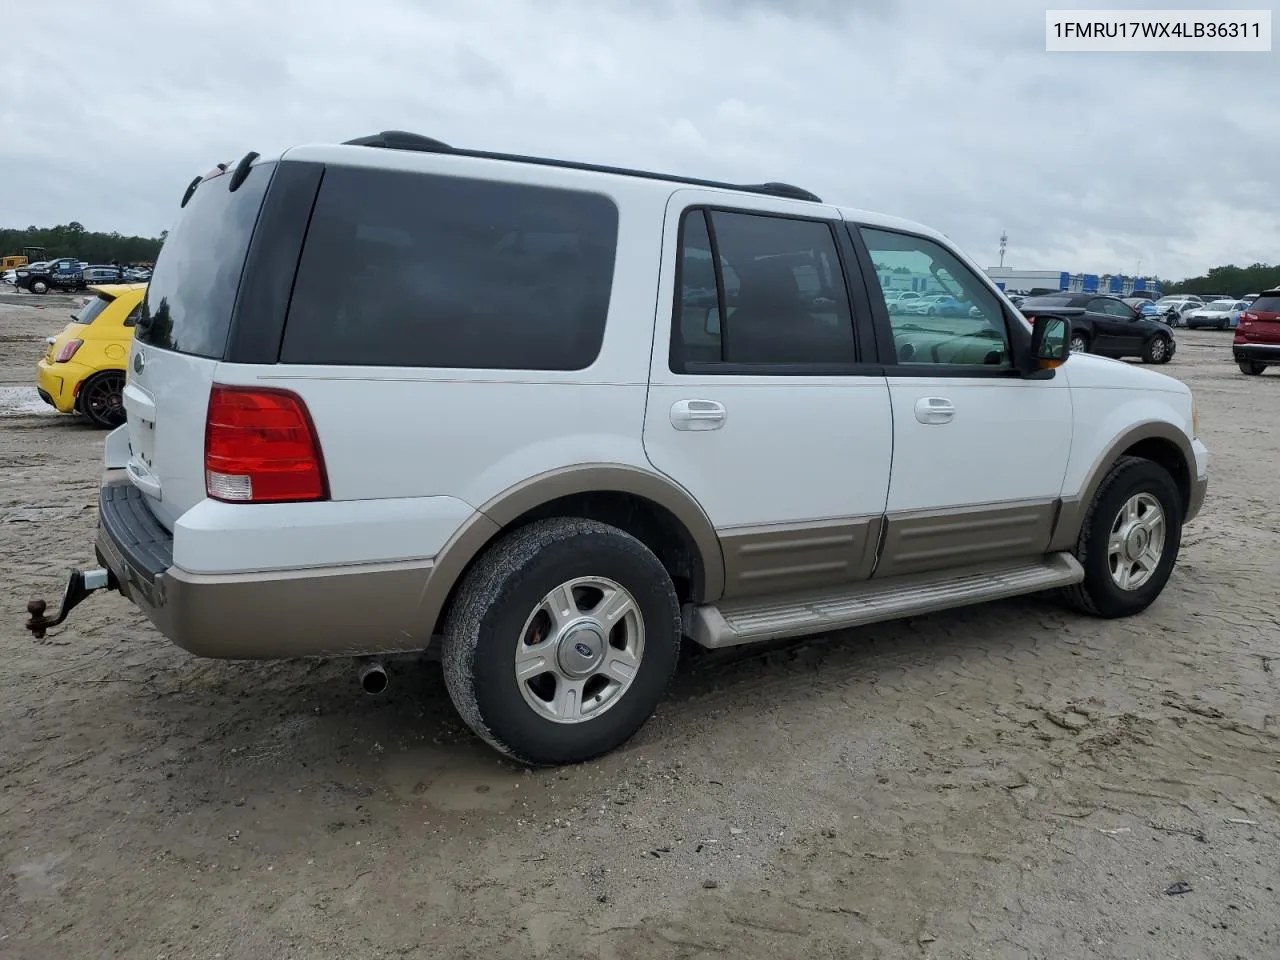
x=237 y=176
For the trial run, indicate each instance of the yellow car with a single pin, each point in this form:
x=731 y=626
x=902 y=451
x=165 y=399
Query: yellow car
x=83 y=369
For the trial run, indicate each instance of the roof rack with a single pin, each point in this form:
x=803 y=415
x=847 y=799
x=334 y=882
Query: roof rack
x=403 y=140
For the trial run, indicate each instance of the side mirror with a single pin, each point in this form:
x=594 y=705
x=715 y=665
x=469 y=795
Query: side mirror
x=1050 y=344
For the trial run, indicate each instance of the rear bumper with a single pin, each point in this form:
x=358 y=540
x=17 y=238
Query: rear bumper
x=335 y=611
x=1264 y=352
x=57 y=384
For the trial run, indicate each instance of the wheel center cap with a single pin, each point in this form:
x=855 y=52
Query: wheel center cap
x=581 y=650
x=1136 y=542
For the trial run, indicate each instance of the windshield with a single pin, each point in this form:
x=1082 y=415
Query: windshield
x=1222 y=305
x=89 y=312
x=1265 y=304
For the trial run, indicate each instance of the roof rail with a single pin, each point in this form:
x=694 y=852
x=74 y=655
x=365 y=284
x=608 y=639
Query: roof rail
x=400 y=140
x=403 y=140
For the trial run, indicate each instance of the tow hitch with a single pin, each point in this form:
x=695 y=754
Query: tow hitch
x=80 y=583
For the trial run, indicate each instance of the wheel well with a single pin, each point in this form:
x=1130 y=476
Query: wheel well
x=1166 y=454
x=93 y=376
x=653 y=525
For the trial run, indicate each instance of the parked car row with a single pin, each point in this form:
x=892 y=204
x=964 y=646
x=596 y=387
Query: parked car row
x=69 y=274
x=1177 y=309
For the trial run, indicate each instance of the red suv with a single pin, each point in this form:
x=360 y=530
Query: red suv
x=1257 y=342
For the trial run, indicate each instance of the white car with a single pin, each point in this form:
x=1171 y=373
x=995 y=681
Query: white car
x=897 y=300
x=466 y=399
x=1174 y=310
x=1220 y=314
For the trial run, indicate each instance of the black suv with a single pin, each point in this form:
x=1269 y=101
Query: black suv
x=1105 y=325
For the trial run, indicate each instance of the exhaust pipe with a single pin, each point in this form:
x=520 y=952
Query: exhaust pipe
x=373 y=678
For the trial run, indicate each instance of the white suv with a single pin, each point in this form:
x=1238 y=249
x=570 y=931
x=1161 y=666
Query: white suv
x=561 y=416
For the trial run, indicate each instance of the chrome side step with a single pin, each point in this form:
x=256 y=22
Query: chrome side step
x=871 y=601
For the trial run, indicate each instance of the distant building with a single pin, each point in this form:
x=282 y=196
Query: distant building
x=1117 y=285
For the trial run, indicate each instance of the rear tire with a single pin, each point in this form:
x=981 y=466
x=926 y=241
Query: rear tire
x=102 y=399
x=1129 y=540
x=1252 y=367
x=592 y=689
x=1157 y=350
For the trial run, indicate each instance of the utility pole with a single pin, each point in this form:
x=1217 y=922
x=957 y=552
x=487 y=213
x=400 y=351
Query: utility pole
x=1004 y=242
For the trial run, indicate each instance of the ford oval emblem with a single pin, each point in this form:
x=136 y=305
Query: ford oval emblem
x=138 y=362
x=582 y=649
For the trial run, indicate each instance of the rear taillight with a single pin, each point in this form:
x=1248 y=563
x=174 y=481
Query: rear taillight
x=260 y=446
x=68 y=350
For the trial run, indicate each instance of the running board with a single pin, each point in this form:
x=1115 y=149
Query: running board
x=872 y=601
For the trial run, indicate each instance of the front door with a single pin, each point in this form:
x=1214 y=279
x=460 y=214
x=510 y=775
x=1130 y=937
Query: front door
x=1114 y=327
x=758 y=404
x=979 y=454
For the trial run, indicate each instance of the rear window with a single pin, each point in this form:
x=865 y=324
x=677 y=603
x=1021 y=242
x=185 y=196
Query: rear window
x=89 y=312
x=403 y=269
x=189 y=300
x=1266 y=304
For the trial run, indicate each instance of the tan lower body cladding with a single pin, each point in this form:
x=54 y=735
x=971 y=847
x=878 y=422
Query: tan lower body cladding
x=782 y=558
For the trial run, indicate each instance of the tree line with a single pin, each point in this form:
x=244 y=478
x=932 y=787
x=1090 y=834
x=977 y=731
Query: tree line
x=1231 y=280
x=73 y=240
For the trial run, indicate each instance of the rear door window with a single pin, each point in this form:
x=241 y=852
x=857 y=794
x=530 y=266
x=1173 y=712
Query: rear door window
x=785 y=301
x=404 y=269
x=190 y=296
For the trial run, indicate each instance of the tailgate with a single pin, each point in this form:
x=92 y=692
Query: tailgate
x=181 y=338
x=166 y=397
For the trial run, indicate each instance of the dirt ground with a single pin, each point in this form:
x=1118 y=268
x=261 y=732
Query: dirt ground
x=1008 y=781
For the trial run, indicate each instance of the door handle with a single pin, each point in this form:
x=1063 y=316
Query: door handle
x=935 y=410
x=697 y=415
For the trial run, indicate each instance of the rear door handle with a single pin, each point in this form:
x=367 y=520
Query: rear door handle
x=935 y=410
x=698 y=415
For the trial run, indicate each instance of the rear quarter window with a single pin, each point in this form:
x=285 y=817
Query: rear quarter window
x=405 y=269
x=91 y=310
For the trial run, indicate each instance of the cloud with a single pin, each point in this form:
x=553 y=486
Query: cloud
x=952 y=114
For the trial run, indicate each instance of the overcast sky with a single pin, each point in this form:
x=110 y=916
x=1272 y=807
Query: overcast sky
x=950 y=113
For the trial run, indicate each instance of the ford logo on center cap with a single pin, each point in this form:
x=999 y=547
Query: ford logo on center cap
x=138 y=362
x=583 y=649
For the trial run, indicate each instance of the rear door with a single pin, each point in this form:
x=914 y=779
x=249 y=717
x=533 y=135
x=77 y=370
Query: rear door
x=758 y=404
x=181 y=337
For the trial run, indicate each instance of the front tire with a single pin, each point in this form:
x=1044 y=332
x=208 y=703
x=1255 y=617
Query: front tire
x=562 y=641
x=1252 y=367
x=1079 y=343
x=1129 y=540
x=39 y=286
x=1157 y=350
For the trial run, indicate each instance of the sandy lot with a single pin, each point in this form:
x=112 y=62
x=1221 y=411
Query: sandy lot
x=1010 y=781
